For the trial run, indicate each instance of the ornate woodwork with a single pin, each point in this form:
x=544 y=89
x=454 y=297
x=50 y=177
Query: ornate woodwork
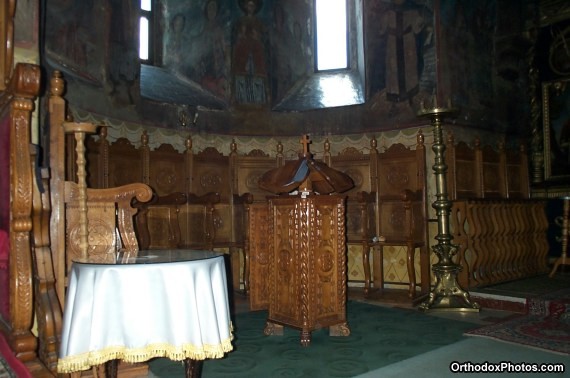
x=7 y=12
x=257 y=257
x=298 y=266
x=227 y=222
x=48 y=312
x=250 y=217
x=20 y=212
x=401 y=215
x=500 y=233
x=307 y=265
x=499 y=240
x=361 y=166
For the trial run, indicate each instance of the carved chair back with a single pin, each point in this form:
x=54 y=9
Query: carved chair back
x=400 y=214
x=361 y=166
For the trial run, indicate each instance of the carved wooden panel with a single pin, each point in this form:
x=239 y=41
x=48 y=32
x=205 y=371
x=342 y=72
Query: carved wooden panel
x=102 y=236
x=221 y=222
x=161 y=220
x=125 y=163
x=486 y=172
x=464 y=178
x=246 y=172
x=358 y=166
x=167 y=170
x=361 y=167
x=210 y=173
x=308 y=263
x=193 y=226
x=16 y=106
x=494 y=174
x=398 y=169
x=258 y=255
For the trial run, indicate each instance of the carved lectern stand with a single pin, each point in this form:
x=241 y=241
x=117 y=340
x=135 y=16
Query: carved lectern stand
x=307 y=248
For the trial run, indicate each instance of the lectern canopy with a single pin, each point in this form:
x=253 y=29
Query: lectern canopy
x=306 y=175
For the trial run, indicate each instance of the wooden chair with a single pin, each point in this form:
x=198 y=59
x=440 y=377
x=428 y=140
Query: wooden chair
x=210 y=173
x=85 y=222
x=158 y=218
x=361 y=166
x=494 y=170
x=248 y=201
x=401 y=215
x=177 y=220
x=464 y=172
x=198 y=223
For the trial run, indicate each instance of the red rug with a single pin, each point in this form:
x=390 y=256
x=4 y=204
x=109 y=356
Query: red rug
x=546 y=325
x=10 y=366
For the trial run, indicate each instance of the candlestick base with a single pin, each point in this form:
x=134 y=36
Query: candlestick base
x=447 y=295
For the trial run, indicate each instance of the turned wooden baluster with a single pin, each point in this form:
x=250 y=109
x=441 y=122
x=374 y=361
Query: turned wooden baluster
x=79 y=129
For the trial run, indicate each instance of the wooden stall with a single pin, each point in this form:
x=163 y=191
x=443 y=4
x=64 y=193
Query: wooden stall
x=500 y=232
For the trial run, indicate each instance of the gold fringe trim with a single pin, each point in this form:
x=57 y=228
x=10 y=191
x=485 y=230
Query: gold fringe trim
x=86 y=360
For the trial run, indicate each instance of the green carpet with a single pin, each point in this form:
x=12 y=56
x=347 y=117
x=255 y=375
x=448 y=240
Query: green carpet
x=380 y=336
x=528 y=287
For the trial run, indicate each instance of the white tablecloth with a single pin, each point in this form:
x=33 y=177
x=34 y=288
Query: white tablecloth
x=135 y=312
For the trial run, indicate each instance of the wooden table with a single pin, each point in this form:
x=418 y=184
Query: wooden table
x=163 y=303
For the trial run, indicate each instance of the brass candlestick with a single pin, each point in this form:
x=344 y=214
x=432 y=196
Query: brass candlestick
x=446 y=294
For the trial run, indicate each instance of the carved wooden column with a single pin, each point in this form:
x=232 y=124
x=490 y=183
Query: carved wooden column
x=19 y=97
x=79 y=130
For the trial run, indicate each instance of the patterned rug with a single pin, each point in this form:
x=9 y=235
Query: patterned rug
x=546 y=325
x=380 y=336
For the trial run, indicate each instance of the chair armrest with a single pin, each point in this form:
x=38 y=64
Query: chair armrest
x=246 y=198
x=408 y=195
x=210 y=198
x=172 y=199
x=405 y=195
x=366 y=197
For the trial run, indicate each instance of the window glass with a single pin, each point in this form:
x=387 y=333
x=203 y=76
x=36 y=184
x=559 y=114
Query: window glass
x=146 y=5
x=143 y=38
x=331 y=34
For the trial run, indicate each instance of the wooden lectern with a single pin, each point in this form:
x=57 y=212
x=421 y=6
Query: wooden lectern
x=306 y=244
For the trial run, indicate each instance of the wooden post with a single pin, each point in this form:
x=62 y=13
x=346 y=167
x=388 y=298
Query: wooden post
x=79 y=130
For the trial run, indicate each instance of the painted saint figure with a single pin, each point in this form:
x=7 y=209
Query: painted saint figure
x=249 y=64
x=213 y=71
x=400 y=25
